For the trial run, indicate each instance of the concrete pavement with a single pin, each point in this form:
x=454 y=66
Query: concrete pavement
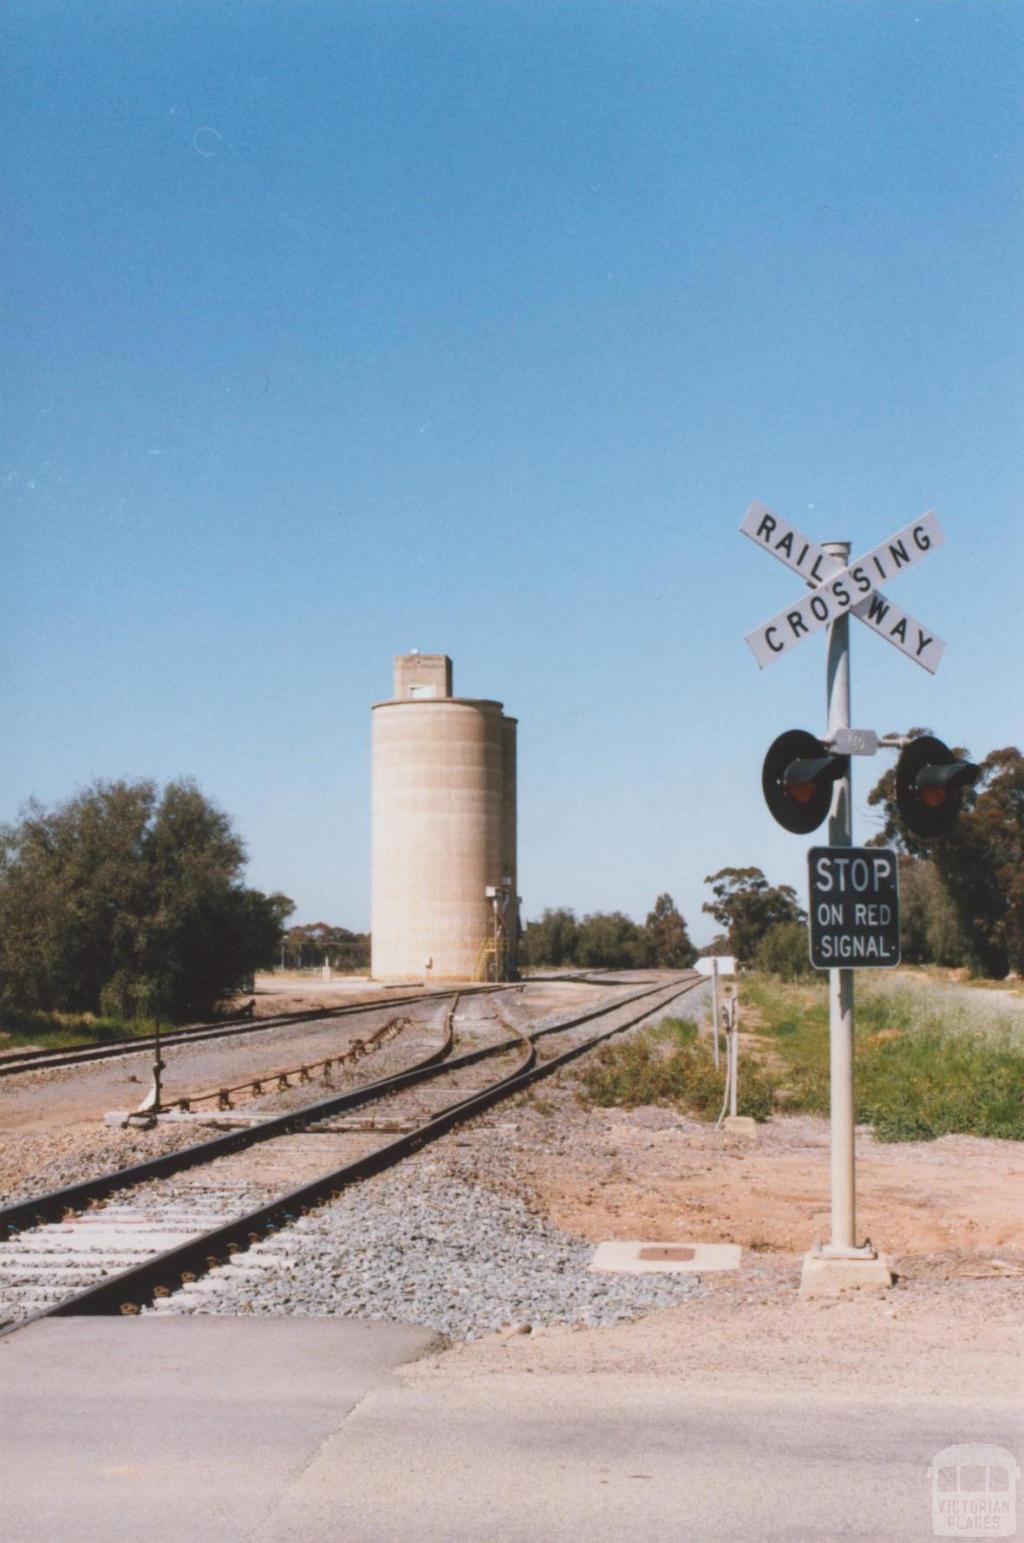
x=516 y=1458
x=173 y=1430
x=215 y=1430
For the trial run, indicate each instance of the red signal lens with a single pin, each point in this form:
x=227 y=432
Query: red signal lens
x=933 y=797
x=800 y=792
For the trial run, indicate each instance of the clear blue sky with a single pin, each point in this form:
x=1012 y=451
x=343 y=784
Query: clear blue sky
x=338 y=330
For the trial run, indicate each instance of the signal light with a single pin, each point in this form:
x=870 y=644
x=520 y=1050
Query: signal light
x=929 y=785
x=797 y=779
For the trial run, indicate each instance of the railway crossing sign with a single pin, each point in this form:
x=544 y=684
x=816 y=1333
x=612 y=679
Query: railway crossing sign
x=854 y=907
x=840 y=588
x=854 y=900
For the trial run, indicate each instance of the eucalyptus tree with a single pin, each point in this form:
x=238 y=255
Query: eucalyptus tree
x=129 y=901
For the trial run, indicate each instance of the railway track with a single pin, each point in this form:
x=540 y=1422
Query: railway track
x=14 y=1061
x=179 y=1216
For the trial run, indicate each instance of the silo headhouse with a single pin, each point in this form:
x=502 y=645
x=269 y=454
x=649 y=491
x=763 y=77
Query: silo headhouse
x=445 y=904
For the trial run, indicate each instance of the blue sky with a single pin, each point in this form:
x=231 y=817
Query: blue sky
x=334 y=331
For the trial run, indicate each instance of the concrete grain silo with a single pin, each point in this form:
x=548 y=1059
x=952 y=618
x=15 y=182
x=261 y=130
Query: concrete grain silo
x=444 y=830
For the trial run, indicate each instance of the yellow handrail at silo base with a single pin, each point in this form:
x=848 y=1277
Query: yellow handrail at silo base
x=487 y=951
x=492 y=959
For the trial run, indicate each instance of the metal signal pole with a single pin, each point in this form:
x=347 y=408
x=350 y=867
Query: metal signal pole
x=840 y=982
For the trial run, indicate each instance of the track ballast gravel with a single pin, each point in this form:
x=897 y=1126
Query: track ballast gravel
x=424 y=1247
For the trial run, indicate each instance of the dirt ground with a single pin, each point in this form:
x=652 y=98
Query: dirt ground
x=947 y=1214
x=656 y=1174
x=962 y=1342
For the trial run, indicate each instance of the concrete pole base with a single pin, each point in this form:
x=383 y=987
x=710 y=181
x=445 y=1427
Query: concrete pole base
x=824 y=1277
x=740 y=1125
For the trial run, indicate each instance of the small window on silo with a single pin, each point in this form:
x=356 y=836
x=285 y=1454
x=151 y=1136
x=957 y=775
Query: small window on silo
x=423 y=691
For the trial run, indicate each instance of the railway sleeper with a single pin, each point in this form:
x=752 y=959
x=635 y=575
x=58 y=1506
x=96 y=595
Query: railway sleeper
x=160 y=1255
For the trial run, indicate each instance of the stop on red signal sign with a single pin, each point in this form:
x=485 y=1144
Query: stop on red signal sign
x=854 y=908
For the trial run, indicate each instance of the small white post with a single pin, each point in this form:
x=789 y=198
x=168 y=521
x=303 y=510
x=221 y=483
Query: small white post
x=714 y=1007
x=734 y=1057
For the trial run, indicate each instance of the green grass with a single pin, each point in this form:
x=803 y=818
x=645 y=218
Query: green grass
x=66 y=1031
x=669 y=1064
x=930 y=1059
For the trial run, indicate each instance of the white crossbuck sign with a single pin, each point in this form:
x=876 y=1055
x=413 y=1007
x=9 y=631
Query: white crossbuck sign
x=836 y=589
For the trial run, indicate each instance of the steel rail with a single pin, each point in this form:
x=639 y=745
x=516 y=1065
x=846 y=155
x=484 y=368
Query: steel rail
x=26 y=1060
x=42 y=1060
x=53 y=1206
x=130 y=1288
x=58 y=1203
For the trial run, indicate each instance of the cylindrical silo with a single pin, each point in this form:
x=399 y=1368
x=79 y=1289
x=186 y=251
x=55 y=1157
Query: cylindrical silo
x=508 y=830
x=444 y=830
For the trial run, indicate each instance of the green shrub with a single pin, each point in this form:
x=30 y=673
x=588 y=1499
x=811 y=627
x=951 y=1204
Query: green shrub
x=676 y=1031
x=131 y=997
x=669 y=1064
x=783 y=951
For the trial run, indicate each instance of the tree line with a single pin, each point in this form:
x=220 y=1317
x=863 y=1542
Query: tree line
x=609 y=939
x=761 y=924
x=319 y=943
